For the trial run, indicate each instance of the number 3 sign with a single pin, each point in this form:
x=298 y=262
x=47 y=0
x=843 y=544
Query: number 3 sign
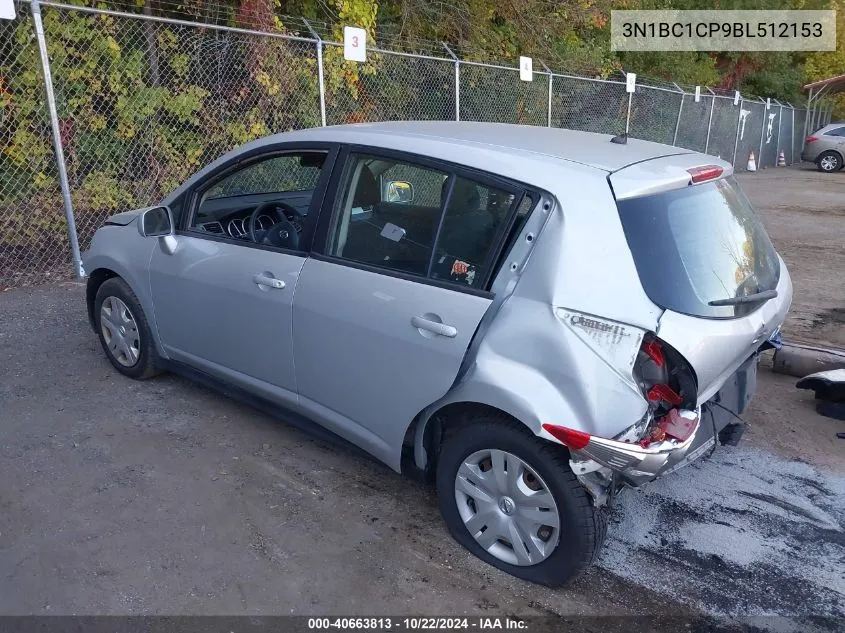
x=354 y=44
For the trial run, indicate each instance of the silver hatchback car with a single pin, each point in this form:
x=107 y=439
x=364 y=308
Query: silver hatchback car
x=532 y=319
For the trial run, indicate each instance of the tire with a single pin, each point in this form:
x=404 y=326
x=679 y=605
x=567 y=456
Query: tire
x=581 y=526
x=829 y=162
x=131 y=352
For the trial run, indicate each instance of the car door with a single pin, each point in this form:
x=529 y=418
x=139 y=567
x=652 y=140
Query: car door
x=838 y=135
x=383 y=317
x=223 y=303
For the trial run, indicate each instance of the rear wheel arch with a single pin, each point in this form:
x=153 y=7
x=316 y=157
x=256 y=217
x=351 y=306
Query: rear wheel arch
x=424 y=436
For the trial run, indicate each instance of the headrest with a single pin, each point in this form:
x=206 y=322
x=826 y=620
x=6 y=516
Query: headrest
x=367 y=193
x=465 y=196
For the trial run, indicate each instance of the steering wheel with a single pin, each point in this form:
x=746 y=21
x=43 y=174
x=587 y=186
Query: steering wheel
x=283 y=233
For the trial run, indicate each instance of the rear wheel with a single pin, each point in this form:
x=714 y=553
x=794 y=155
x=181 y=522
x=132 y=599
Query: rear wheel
x=511 y=499
x=123 y=330
x=829 y=162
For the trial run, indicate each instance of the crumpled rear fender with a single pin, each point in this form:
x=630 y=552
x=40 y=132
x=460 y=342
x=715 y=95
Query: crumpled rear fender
x=541 y=364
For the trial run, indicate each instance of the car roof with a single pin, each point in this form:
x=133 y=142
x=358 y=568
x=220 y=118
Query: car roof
x=525 y=153
x=585 y=148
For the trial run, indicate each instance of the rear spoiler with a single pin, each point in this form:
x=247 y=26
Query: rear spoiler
x=665 y=173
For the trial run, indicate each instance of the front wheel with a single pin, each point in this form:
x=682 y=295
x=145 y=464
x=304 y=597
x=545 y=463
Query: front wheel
x=511 y=499
x=124 y=331
x=829 y=162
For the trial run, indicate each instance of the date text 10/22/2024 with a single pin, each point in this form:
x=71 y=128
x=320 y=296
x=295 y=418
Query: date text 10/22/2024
x=418 y=624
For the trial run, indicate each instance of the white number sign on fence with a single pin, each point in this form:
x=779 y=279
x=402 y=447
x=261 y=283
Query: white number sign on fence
x=526 y=69
x=631 y=82
x=7 y=9
x=354 y=44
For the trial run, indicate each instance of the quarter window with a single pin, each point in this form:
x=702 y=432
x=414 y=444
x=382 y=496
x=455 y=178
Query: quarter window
x=474 y=214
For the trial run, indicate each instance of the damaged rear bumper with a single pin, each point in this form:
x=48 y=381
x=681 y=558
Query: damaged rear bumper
x=636 y=464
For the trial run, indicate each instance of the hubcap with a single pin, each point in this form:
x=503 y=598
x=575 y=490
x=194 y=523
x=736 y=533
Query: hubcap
x=120 y=331
x=507 y=507
x=829 y=163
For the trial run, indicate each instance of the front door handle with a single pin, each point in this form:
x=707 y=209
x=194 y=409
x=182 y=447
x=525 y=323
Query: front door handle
x=440 y=329
x=268 y=282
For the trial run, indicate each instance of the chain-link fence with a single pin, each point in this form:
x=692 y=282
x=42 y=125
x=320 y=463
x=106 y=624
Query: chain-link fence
x=141 y=102
x=654 y=114
x=33 y=239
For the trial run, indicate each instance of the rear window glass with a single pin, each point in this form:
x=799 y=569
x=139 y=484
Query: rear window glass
x=700 y=244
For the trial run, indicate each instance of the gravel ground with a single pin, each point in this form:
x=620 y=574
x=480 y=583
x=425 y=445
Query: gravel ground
x=120 y=497
x=162 y=497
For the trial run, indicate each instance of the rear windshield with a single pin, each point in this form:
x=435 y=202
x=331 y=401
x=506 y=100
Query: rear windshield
x=699 y=244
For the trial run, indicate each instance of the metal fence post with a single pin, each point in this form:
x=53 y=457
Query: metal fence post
x=762 y=134
x=710 y=120
x=319 y=71
x=780 y=116
x=628 y=117
x=792 y=140
x=736 y=136
x=457 y=81
x=807 y=118
x=678 y=122
x=57 y=139
x=551 y=79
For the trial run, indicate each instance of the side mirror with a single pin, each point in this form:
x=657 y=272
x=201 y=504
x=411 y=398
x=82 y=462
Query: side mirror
x=158 y=222
x=155 y=222
x=399 y=191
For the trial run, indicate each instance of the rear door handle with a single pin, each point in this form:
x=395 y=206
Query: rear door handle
x=441 y=329
x=269 y=282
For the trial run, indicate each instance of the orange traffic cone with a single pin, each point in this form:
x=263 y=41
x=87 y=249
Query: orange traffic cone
x=781 y=159
x=752 y=164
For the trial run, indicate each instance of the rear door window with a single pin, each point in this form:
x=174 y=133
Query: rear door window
x=700 y=244
x=420 y=220
x=373 y=227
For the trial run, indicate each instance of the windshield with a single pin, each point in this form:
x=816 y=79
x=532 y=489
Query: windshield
x=700 y=244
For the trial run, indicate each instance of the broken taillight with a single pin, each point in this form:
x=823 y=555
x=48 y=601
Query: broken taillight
x=666 y=379
x=654 y=352
x=705 y=173
x=678 y=424
x=664 y=393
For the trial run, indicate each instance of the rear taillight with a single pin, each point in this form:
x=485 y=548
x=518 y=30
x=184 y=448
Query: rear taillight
x=811 y=139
